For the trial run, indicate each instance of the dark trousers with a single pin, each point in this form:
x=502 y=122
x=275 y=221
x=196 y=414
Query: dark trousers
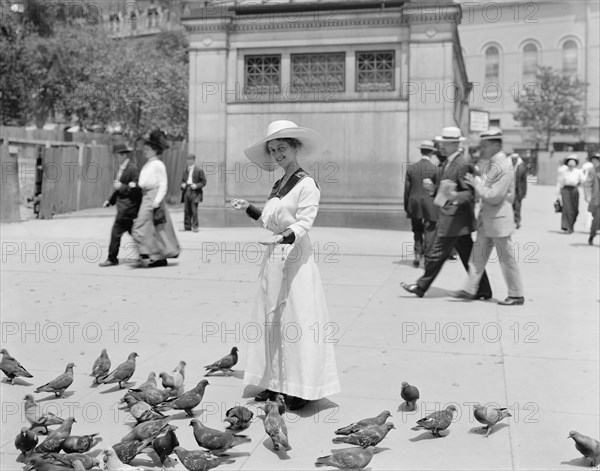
x=595 y=222
x=517 y=211
x=119 y=228
x=190 y=210
x=435 y=258
x=424 y=235
x=570 y=203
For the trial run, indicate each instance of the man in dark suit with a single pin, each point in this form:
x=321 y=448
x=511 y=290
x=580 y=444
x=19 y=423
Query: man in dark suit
x=520 y=185
x=456 y=217
x=192 y=182
x=127 y=196
x=418 y=202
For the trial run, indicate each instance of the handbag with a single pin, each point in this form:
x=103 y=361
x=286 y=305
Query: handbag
x=159 y=217
x=557 y=207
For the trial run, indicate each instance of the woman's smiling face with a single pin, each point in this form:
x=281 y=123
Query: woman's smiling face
x=282 y=152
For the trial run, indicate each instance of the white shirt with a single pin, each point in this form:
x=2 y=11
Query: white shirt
x=568 y=177
x=122 y=169
x=154 y=175
x=190 y=173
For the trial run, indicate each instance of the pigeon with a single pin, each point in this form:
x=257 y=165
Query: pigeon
x=276 y=428
x=33 y=415
x=180 y=368
x=149 y=383
x=355 y=457
x=489 y=416
x=436 y=421
x=369 y=435
x=26 y=441
x=86 y=461
x=164 y=445
x=121 y=373
x=101 y=365
x=215 y=440
x=41 y=463
x=410 y=394
x=199 y=460
x=224 y=364
x=127 y=451
x=55 y=439
x=587 y=446
x=239 y=418
x=78 y=466
x=141 y=411
x=113 y=463
x=75 y=444
x=151 y=395
x=356 y=426
x=147 y=429
x=12 y=368
x=188 y=400
x=60 y=383
x=175 y=382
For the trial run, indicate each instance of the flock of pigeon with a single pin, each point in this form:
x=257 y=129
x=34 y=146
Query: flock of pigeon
x=61 y=451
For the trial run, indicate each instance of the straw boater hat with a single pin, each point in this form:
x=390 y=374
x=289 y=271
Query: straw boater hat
x=257 y=153
x=121 y=149
x=427 y=145
x=451 y=134
x=490 y=134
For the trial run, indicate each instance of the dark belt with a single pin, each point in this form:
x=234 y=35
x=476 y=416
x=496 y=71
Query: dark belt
x=569 y=186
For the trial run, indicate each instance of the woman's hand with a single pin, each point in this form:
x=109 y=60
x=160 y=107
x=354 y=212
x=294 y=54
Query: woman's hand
x=274 y=240
x=239 y=204
x=155 y=205
x=117 y=185
x=132 y=184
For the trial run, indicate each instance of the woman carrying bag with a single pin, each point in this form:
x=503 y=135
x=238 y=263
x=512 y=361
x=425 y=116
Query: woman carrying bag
x=569 y=180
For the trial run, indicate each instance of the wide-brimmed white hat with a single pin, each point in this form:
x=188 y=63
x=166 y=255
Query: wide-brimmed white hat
x=311 y=142
x=451 y=134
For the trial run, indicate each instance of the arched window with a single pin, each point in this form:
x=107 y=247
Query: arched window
x=530 y=62
x=492 y=64
x=570 y=55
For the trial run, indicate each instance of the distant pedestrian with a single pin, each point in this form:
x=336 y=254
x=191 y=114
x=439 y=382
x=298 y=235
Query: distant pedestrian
x=456 y=218
x=520 y=169
x=569 y=180
x=418 y=202
x=586 y=167
x=496 y=188
x=592 y=195
x=153 y=230
x=192 y=182
x=127 y=196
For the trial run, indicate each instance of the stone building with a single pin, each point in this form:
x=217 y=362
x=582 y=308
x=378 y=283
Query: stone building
x=374 y=78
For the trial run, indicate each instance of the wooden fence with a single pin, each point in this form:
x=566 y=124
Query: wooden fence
x=9 y=187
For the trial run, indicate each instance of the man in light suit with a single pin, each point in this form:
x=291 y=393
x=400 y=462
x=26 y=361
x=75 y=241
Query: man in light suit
x=496 y=188
x=192 y=182
x=418 y=202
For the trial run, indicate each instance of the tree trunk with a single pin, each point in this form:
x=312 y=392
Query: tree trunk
x=548 y=138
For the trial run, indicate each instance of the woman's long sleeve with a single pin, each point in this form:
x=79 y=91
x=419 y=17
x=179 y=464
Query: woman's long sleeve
x=308 y=207
x=161 y=176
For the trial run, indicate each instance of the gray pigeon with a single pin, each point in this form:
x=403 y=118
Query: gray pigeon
x=356 y=426
x=410 y=394
x=239 y=418
x=33 y=415
x=367 y=436
x=489 y=416
x=188 y=400
x=41 y=463
x=436 y=421
x=86 y=461
x=149 y=383
x=147 y=429
x=26 y=441
x=55 y=439
x=347 y=458
x=121 y=373
x=12 y=368
x=224 y=364
x=276 y=428
x=127 y=451
x=199 y=460
x=175 y=381
x=215 y=440
x=151 y=395
x=75 y=444
x=587 y=446
x=140 y=410
x=60 y=383
x=165 y=444
x=101 y=365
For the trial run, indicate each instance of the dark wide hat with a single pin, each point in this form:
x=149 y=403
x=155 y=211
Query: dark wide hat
x=156 y=139
x=121 y=149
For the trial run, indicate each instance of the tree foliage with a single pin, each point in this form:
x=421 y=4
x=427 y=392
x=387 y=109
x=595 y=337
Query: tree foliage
x=553 y=104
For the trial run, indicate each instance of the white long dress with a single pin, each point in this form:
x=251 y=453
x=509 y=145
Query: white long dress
x=294 y=354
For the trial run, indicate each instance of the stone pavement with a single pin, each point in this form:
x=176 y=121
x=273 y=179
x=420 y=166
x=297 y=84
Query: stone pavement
x=539 y=360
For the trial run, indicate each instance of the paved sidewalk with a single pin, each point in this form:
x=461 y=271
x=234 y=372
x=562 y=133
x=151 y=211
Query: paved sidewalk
x=540 y=360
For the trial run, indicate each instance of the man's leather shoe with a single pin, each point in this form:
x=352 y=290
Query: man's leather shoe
x=512 y=301
x=108 y=263
x=414 y=289
x=266 y=395
x=158 y=263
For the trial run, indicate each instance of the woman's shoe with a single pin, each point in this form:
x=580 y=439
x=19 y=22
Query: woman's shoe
x=266 y=395
x=158 y=263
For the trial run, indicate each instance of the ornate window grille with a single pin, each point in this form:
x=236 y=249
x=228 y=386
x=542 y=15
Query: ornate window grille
x=492 y=65
x=318 y=72
x=530 y=63
x=263 y=74
x=375 y=71
x=570 y=57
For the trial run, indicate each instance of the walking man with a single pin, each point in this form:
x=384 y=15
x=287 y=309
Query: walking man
x=127 y=196
x=496 y=188
x=520 y=185
x=456 y=218
x=192 y=182
x=418 y=202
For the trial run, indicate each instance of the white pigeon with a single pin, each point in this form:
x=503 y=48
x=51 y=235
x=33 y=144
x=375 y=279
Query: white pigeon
x=113 y=463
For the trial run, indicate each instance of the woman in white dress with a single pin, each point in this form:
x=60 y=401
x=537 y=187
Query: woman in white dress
x=568 y=182
x=152 y=229
x=294 y=355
